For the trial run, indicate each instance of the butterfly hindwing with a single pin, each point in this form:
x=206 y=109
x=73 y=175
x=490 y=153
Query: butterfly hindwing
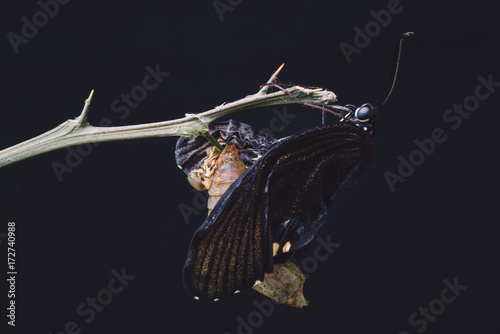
x=283 y=197
x=319 y=169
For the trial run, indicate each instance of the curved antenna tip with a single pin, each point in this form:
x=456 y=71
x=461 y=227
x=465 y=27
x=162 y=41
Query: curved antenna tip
x=399 y=48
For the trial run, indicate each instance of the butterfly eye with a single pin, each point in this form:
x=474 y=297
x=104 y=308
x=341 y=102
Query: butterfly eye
x=364 y=113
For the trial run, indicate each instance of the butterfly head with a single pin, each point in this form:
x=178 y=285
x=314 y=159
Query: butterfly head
x=362 y=114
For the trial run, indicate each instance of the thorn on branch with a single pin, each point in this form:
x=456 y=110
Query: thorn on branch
x=264 y=89
x=82 y=119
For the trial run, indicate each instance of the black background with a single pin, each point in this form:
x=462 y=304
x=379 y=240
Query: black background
x=120 y=206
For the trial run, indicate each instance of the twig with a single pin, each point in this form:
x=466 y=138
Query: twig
x=78 y=131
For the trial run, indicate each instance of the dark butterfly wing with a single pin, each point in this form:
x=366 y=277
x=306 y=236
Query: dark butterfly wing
x=191 y=151
x=282 y=198
x=228 y=252
x=306 y=184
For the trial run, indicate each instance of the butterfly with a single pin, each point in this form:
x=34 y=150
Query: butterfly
x=276 y=207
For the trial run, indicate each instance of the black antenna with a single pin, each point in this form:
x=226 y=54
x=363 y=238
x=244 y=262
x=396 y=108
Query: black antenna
x=399 y=48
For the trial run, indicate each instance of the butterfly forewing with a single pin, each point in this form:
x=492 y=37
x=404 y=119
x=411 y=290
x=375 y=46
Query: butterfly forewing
x=226 y=255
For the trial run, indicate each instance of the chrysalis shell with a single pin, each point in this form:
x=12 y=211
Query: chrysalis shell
x=201 y=178
x=228 y=168
x=284 y=285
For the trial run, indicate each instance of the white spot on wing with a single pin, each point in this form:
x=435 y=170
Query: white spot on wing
x=196 y=297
